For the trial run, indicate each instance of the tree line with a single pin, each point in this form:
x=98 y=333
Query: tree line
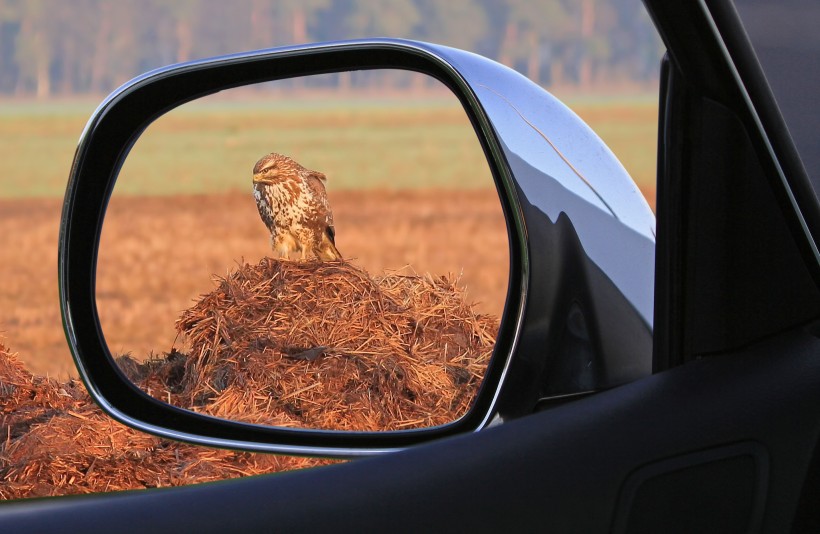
x=69 y=47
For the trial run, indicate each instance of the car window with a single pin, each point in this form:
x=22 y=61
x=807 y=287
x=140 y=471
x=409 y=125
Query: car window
x=58 y=60
x=785 y=38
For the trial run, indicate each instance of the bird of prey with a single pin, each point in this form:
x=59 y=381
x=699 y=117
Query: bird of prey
x=293 y=204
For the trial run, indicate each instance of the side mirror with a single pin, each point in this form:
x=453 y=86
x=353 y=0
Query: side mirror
x=578 y=312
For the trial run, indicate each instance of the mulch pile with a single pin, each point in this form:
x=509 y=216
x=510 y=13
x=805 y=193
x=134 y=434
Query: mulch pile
x=297 y=344
x=56 y=441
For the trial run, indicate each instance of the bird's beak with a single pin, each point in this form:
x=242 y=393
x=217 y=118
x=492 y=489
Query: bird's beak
x=262 y=179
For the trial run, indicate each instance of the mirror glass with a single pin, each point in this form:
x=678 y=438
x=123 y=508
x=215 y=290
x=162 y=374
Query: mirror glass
x=327 y=252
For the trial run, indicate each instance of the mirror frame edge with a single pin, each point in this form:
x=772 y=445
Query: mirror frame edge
x=103 y=146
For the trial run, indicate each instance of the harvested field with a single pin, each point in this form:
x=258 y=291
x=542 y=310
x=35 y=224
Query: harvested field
x=159 y=254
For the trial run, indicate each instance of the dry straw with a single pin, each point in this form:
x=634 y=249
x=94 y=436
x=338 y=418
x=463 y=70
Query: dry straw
x=298 y=344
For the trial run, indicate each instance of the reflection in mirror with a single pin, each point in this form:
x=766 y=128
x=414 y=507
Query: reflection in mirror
x=318 y=253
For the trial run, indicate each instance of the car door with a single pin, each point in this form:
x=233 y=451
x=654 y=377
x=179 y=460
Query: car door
x=723 y=437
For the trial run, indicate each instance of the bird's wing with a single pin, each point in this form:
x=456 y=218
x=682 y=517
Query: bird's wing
x=318 y=175
x=318 y=193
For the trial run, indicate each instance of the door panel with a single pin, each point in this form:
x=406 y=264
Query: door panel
x=563 y=470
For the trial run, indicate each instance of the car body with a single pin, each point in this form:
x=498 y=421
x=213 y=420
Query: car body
x=721 y=437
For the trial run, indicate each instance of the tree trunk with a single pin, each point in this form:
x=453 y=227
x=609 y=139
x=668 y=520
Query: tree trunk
x=43 y=77
x=299 y=26
x=534 y=57
x=587 y=32
x=508 y=44
x=124 y=49
x=259 y=25
x=70 y=66
x=184 y=39
x=43 y=72
x=99 y=62
x=556 y=73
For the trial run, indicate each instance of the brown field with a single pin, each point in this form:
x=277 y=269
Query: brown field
x=159 y=254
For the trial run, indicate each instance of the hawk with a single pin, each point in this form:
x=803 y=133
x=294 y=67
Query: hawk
x=293 y=204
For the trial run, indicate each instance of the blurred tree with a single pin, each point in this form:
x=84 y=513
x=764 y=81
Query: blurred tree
x=281 y=22
x=221 y=27
x=35 y=46
x=597 y=20
x=536 y=28
x=375 y=18
x=99 y=53
x=10 y=12
x=261 y=24
x=132 y=45
x=636 y=48
x=183 y=14
x=49 y=46
x=457 y=23
x=301 y=13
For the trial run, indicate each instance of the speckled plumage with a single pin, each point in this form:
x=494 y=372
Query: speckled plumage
x=293 y=204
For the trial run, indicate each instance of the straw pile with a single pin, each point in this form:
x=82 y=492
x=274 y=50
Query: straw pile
x=325 y=345
x=296 y=344
x=56 y=441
